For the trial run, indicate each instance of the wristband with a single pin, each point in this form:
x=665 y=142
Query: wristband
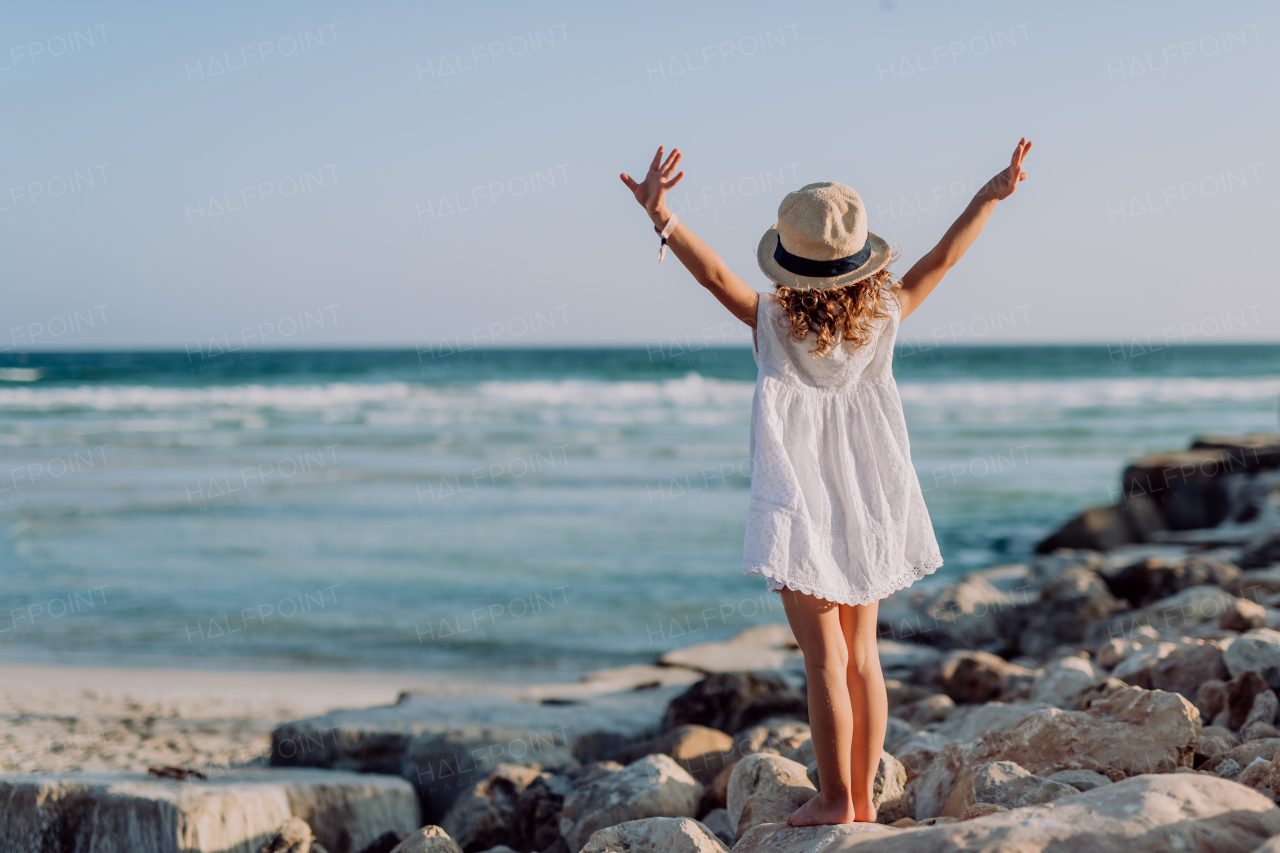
x=664 y=233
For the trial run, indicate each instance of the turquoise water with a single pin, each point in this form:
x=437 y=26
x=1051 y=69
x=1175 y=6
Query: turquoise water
x=513 y=513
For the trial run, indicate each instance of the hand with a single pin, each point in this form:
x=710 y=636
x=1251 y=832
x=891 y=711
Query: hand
x=1003 y=184
x=652 y=193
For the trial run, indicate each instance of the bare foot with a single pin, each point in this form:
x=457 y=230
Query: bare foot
x=864 y=813
x=817 y=813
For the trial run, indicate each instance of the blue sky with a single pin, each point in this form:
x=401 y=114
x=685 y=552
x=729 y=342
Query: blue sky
x=340 y=174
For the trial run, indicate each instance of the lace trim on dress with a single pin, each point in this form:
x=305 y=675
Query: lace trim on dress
x=860 y=597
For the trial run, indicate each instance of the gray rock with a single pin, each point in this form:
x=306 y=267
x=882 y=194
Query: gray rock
x=428 y=839
x=1062 y=679
x=1083 y=780
x=766 y=788
x=760 y=648
x=1173 y=615
x=294 y=836
x=656 y=835
x=717 y=820
x=779 y=736
x=482 y=817
x=1257 y=774
x=978 y=810
x=654 y=786
x=1008 y=784
x=1229 y=769
x=445 y=746
x=111 y=812
x=729 y=702
x=1258 y=650
x=780 y=838
x=1181 y=667
x=1264 y=709
x=973 y=676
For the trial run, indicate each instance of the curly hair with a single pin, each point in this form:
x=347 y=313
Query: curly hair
x=849 y=314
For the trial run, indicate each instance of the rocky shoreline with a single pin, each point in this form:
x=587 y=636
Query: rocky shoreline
x=1119 y=689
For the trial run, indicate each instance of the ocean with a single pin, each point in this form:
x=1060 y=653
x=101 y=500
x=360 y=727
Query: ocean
x=508 y=514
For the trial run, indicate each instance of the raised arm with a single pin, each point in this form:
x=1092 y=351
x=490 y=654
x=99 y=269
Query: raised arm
x=924 y=276
x=698 y=258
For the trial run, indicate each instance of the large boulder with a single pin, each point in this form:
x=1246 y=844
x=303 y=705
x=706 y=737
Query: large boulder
x=974 y=677
x=1068 y=604
x=1177 y=668
x=778 y=736
x=535 y=823
x=1172 y=616
x=481 y=818
x=1132 y=731
x=766 y=788
x=732 y=701
x=654 y=786
x=1154 y=578
x=1063 y=679
x=1103 y=528
x=1258 y=650
x=965 y=614
x=656 y=835
x=763 y=647
x=1007 y=784
x=701 y=750
x=780 y=838
x=1148 y=814
x=240 y=811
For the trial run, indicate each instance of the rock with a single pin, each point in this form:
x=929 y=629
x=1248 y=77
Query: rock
x=535 y=822
x=966 y=614
x=1189 y=488
x=780 y=838
x=1257 y=774
x=1173 y=615
x=445 y=746
x=294 y=836
x=1007 y=784
x=1062 y=679
x=895 y=733
x=1244 y=754
x=724 y=701
x=978 y=810
x=656 y=835
x=766 y=788
x=1094 y=692
x=1243 y=615
x=1148 y=814
x=778 y=736
x=1215 y=740
x=1081 y=780
x=922 y=712
x=1067 y=605
x=1118 y=648
x=654 y=786
x=1257 y=650
x=1259 y=731
x=1176 y=668
x=1264 y=553
x=428 y=839
x=1132 y=731
x=897 y=657
x=1211 y=698
x=701 y=750
x=1150 y=580
x=1103 y=528
x=1238 y=697
x=1265 y=706
x=717 y=820
x=1228 y=769
x=905 y=823
x=974 y=677
x=763 y=647
x=385 y=843
x=717 y=794
x=972 y=721
x=234 y=811
x=481 y=817
x=900 y=692
x=1257 y=583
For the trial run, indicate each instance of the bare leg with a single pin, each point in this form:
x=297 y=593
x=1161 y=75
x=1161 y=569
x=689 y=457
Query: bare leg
x=817 y=626
x=868 y=702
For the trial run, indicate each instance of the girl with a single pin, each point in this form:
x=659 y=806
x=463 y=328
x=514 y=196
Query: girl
x=837 y=521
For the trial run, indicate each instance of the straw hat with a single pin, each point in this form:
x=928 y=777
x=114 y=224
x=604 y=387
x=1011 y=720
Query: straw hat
x=821 y=241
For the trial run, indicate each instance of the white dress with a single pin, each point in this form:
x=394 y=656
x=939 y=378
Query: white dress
x=836 y=509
